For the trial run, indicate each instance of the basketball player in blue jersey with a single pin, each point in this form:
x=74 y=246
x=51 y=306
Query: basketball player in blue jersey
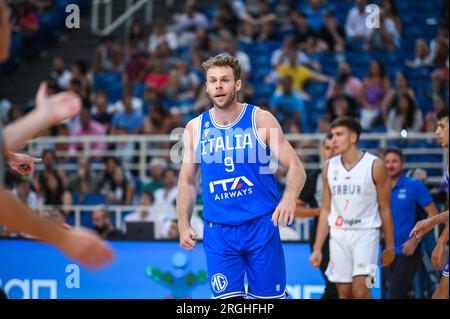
x=355 y=204
x=231 y=146
x=427 y=225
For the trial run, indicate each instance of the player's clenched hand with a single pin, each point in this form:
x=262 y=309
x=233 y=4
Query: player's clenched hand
x=436 y=257
x=22 y=163
x=422 y=227
x=316 y=258
x=410 y=246
x=188 y=238
x=387 y=257
x=284 y=213
x=58 y=107
x=86 y=248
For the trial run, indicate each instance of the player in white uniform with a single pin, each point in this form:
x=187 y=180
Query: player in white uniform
x=356 y=203
x=425 y=226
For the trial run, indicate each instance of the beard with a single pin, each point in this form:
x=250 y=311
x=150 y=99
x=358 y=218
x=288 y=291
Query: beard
x=225 y=104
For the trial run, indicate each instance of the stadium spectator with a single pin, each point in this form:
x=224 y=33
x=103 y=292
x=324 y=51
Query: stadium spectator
x=256 y=17
x=439 y=46
x=53 y=189
x=187 y=23
x=431 y=117
x=60 y=73
x=352 y=85
x=305 y=36
x=422 y=55
x=404 y=115
x=225 y=19
x=203 y=42
x=105 y=184
x=49 y=161
x=299 y=73
x=340 y=103
x=143 y=214
x=122 y=190
x=281 y=55
x=80 y=71
x=155 y=182
x=84 y=181
x=108 y=56
x=24 y=193
x=384 y=38
x=375 y=86
x=26 y=23
x=157 y=75
x=157 y=121
x=136 y=38
x=356 y=28
x=151 y=99
x=14 y=113
x=183 y=85
x=401 y=86
x=137 y=104
x=103 y=225
x=88 y=127
x=124 y=149
x=288 y=106
x=134 y=67
x=128 y=118
x=391 y=12
x=229 y=45
x=159 y=36
x=42 y=5
x=331 y=36
x=100 y=110
x=150 y=213
x=315 y=10
x=168 y=194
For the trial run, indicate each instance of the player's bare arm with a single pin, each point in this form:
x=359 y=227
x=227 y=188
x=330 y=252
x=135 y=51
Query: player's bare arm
x=424 y=226
x=5 y=31
x=323 y=228
x=438 y=252
x=272 y=135
x=384 y=199
x=410 y=246
x=186 y=188
x=49 y=111
x=80 y=245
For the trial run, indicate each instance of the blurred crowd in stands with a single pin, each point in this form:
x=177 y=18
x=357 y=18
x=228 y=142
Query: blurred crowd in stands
x=308 y=62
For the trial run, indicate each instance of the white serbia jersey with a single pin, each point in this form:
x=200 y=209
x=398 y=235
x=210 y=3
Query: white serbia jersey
x=354 y=201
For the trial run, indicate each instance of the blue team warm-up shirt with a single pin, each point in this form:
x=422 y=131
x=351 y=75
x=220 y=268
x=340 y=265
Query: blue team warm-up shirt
x=405 y=197
x=238 y=185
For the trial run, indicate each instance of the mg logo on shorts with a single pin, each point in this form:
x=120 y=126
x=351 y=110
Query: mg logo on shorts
x=219 y=282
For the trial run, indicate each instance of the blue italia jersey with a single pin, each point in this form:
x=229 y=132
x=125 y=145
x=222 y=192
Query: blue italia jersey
x=237 y=182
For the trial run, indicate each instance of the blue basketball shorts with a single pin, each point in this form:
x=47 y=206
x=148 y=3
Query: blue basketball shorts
x=445 y=271
x=253 y=249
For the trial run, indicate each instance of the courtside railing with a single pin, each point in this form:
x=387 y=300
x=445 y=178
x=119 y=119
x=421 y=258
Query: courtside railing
x=141 y=148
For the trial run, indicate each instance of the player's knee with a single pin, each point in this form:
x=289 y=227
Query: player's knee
x=441 y=292
x=360 y=293
x=344 y=295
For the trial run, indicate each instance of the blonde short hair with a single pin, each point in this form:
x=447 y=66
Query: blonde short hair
x=224 y=60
